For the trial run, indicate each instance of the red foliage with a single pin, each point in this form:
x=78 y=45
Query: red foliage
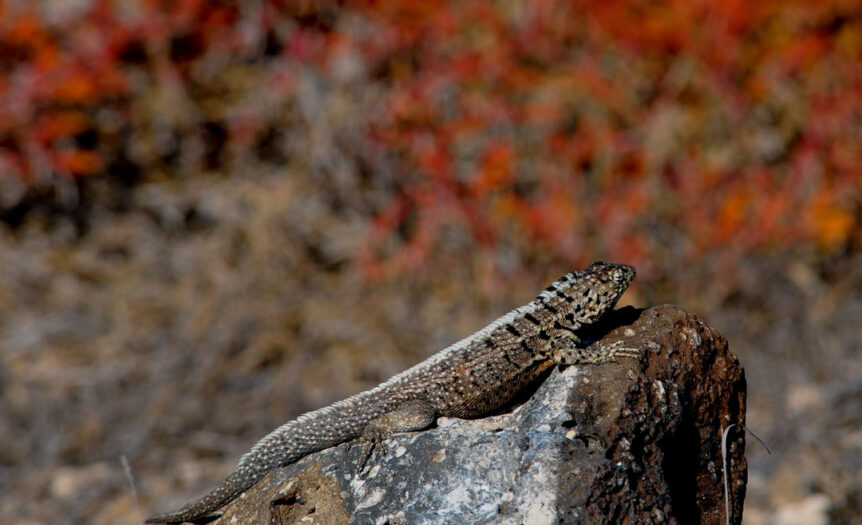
x=578 y=126
x=738 y=123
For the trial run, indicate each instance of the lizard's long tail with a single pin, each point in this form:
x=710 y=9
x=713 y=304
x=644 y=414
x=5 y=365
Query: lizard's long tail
x=317 y=430
x=283 y=446
x=230 y=488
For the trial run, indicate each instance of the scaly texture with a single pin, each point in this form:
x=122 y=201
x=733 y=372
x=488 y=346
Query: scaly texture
x=470 y=378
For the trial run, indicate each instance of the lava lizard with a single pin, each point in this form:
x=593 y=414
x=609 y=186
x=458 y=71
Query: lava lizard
x=471 y=378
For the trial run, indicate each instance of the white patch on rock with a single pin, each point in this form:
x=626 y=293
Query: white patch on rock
x=375 y=497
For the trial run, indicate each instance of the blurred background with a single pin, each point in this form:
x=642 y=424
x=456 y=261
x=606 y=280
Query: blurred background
x=215 y=215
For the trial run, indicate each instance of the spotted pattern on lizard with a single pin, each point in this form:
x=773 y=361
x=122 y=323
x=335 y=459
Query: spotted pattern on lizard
x=471 y=378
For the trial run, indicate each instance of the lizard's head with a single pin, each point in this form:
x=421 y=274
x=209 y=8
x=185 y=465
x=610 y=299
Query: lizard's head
x=584 y=297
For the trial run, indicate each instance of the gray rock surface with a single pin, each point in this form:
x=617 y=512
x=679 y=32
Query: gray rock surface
x=633 y=442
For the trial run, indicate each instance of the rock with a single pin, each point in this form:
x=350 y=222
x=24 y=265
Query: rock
x=634 y=442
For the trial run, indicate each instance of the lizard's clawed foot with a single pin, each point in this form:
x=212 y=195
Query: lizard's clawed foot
x=597 y=353
x=372 y=438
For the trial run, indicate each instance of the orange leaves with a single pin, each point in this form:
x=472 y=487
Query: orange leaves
x=830 y=224
x=849 y=40
x=75 y=85
x=26 y=34
x=495 y=169
x=77 y=162
x=54 y=126
x=75 y=88
x=732 y=213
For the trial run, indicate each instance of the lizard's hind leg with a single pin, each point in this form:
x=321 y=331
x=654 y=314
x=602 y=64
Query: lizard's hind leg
x=408 y=417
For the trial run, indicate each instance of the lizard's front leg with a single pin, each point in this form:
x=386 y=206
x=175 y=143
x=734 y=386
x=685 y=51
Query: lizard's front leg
x=568 y=349
x=408 y=417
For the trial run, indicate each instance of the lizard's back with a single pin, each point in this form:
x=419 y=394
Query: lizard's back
x=470 y=378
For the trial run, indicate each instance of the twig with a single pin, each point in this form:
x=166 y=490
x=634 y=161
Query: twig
x=725 y=467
